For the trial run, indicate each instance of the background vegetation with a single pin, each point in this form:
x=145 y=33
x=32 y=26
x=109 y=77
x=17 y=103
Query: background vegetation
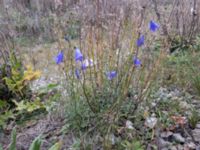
x=99 y=74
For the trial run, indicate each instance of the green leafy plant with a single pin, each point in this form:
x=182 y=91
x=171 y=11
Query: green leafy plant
x=5 y=113
x=196 y=46
x=4 y=117
x=194 y=118
x=76 y=144
x=26 y=109
x=73 y=29
x=194 y=75
x=134 y=145
x=196 y=83
x=29 y=106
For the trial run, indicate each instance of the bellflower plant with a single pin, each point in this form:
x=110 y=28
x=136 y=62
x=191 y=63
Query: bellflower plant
x=140 y=41
x=59 y=58
x=102 y=90
x=136 y=61
x=78 y=55
x=111 y=75
x=153 y=26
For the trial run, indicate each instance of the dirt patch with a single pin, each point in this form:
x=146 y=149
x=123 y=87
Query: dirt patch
x=50 y=130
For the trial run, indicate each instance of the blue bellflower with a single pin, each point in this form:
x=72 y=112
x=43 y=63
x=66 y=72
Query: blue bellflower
x=59 y=58
x=86 y=63
x=153 y=26
x=140 y=41
x=77 y=73
x=136 y=61
x=78 y=55
x=83 y=66
x=66 y=38
x=111 y=75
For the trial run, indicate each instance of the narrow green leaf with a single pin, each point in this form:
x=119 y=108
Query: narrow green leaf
x=12 y=145
x=36 y=144
x=1 y=148
x=56 y=146
x=52 y=86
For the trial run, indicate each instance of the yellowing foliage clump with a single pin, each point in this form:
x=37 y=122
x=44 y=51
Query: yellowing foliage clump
x=30 y=74
x=18 y=81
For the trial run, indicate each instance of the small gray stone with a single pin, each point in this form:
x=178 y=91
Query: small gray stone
x=180 y=147
x=175 y=98
x=150 y=147
x=198 y=148
x=163 y=143
x=198 y=125
x=153 y=104
x=184 y=105
x=165 y=148
x=191 y=146
x=173 y=148
x=189 y=139
x=196 y=134
x=170 y=95
x=178 y=138
x=166 y=134
x=151 y=122
x=195 y=102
